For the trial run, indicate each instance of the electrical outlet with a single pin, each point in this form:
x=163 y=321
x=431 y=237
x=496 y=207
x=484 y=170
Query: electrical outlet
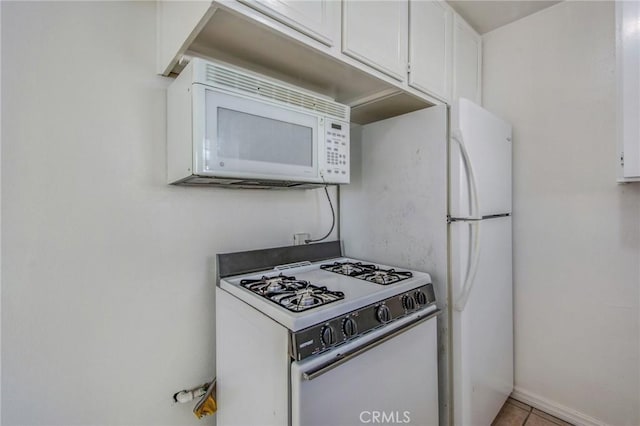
x=300 y=238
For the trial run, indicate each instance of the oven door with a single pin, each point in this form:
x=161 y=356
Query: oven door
x=388 y=376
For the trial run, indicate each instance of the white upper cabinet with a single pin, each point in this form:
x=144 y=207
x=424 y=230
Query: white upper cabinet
x=467 y=61
x=382 y=57
x=628 y=81
x=430 y=47
x=318 y=19
x=375 y=33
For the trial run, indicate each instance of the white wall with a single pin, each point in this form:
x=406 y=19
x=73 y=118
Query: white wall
x=0 y=216
x=576 y=232
x=107 y=279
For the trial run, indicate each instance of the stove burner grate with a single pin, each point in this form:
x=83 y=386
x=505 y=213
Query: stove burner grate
x=271 y=285
x=291 y=293
x=367 y=272
x=348 y=268
x=385 y=276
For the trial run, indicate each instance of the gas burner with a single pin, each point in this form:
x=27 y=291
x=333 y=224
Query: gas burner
x=348 y=268
x=371 y=273
x=385 y=276
x=307 y=298
x=291 y=293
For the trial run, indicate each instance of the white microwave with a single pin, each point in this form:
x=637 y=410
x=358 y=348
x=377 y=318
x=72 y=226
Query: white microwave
x=231 y=127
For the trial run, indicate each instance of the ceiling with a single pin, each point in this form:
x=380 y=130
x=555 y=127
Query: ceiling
x=485 y=16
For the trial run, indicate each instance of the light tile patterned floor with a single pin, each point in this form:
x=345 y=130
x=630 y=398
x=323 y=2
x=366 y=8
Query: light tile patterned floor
x=516 y=413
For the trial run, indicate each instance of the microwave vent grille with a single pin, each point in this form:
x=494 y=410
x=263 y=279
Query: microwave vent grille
x=226 y=78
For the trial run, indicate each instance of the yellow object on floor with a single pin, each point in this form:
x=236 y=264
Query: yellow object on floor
x=207 y=404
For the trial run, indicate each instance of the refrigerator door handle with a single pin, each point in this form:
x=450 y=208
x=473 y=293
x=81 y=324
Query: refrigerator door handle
x=470 y=276
x=471 y=179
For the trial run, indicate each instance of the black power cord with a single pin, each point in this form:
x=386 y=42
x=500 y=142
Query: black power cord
x=333 y=219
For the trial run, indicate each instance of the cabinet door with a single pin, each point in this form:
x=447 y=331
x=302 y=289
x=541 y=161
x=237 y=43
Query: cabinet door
x=375 y=33
x=467 y=57
x=430 y=47
x=319 y=19
x=628 y=82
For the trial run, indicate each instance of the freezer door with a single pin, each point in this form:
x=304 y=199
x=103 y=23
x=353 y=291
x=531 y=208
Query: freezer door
x=482 y=318
x=480 y=162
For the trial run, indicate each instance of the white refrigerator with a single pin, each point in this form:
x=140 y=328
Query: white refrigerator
x=431 y=191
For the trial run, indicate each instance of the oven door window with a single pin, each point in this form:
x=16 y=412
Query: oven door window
x=247 y=138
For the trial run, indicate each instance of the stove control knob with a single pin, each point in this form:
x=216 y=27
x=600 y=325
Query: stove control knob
x=383 y=314
x=408 y=302
x=328 y=335
x=349 y=327
x=420 y=297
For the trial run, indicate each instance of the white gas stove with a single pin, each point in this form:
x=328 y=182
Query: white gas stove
x=304 y=324
x=301 y=295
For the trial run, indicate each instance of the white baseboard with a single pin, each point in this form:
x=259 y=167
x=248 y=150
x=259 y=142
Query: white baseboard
x=560 y=411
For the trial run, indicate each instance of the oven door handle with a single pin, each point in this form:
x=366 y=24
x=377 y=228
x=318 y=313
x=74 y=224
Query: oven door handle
x=345 y=357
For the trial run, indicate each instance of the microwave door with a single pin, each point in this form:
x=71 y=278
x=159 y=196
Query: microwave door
x=244 y=138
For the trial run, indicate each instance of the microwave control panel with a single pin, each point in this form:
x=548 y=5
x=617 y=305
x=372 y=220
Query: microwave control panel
x=336 y=152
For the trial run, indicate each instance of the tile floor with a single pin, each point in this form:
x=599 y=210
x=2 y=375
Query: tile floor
x=516 y=413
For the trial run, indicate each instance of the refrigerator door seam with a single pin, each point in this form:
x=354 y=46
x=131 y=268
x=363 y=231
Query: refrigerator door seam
x=467 y=219
x=463 y=219
x=495 y=216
